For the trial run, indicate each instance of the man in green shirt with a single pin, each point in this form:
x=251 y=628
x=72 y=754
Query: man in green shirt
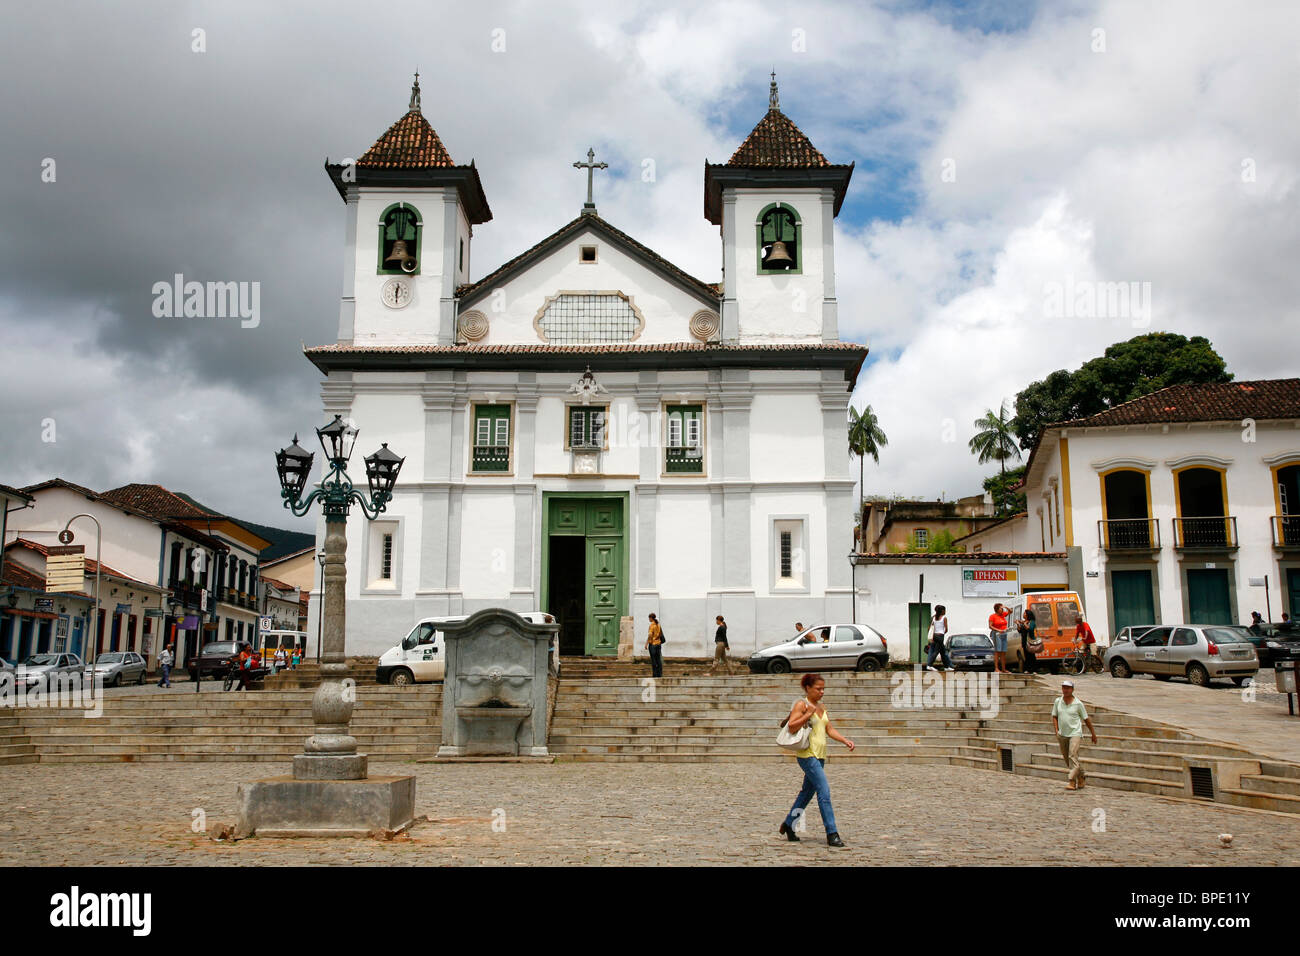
x=1068 y=719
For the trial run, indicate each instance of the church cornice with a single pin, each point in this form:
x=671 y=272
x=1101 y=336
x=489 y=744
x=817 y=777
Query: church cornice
x=839 y=356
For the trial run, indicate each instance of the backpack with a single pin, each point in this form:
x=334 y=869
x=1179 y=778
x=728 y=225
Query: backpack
x=662 y=639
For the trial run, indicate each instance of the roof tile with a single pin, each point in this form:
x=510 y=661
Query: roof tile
x=410 y=143
x=777 y=143
x=1205 y=402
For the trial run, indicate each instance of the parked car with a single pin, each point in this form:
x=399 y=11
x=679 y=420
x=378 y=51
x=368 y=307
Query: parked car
x=119 y=667
x=421 y=657
x=1275 y=642
x=1128 y=633
x=972 y=651
x=38 y=668
x=215 y=659
x=6 y=667
x=826 y=647
x=1199 y=653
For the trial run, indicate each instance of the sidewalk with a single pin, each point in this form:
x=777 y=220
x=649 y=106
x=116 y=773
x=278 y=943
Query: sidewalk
x=1217 y=712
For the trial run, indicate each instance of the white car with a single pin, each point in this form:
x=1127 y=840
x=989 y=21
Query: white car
x=422 y=655
x=826 y=647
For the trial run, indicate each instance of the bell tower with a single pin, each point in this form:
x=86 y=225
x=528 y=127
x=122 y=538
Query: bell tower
x=775 y=203
x=411 y=213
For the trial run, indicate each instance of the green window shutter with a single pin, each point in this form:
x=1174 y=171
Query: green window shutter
x=491 y=451
x=685 y=451
x=586 y=427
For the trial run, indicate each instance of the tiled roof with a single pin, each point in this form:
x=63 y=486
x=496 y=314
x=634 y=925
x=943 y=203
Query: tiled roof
x=343 y=347
x=569 y=229
x=91 y=564
x=13 y=492
x=410 y=143
x=777 y=143
x=158 y=501
x=1208 y=402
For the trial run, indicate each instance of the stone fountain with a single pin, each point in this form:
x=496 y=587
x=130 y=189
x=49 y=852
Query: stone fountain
x=494 y=692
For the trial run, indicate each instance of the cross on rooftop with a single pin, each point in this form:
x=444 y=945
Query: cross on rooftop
x=590 y=166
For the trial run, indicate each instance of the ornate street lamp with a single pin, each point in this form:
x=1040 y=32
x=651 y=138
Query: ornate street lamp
x=331 y=752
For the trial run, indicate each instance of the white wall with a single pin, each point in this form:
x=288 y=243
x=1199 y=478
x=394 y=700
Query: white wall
x=130 y=543
x=885 y=590
x=666 y=308
x=418 y=321
x=779 y=307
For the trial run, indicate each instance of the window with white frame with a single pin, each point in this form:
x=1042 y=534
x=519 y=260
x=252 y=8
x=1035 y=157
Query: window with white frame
x=383 y=560
x=922 y=536
x=789 y=556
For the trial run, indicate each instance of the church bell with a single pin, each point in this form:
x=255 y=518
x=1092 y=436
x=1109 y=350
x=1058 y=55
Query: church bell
x=778 y=257
x=401 y=257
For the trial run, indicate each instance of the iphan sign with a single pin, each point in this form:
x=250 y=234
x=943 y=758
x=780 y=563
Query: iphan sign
x=984 y=582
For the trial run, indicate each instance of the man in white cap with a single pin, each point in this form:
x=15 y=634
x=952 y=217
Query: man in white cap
x=1068 y=719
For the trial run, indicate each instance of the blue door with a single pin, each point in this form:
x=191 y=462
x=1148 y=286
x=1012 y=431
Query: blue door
x=75 y=644
x=24 y=639
x=7 y=636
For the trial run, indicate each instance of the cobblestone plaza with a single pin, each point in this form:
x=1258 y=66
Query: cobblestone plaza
x=573 y=814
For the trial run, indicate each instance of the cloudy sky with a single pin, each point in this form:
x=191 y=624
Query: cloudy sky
x=1003 y=150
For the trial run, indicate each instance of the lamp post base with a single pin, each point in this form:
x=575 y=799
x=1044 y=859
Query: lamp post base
x=284 y=807
x=329 y=766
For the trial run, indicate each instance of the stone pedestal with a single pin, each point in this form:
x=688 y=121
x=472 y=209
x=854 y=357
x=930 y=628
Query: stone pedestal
x=290 y=807
x=626 y=639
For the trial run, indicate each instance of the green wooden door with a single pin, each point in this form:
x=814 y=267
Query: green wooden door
x=1207 y=596
x=918 y=626
x=599 y=521
x=1134 y=602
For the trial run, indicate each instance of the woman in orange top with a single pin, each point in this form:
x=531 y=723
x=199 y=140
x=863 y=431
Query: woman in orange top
x=998 y=631
x=654 y=647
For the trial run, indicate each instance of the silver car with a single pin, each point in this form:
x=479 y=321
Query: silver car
x=826 y=647
x=118 y=667
x=38 y=668
x=1200 y=653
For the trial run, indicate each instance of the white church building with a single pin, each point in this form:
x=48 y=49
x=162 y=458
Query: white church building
x=588 y=429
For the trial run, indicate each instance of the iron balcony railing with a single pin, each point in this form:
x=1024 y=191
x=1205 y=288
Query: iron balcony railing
x=685 y=460
x=1129 y=534
x=1214 y=533
x=1286 y=531
x=490 y=458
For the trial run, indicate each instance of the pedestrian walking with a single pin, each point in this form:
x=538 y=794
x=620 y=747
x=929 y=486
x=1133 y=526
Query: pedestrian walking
x=1068 y=719
x=654 y=645
x=812 y=760
x=297 y=656
x=165 y=664
x=938 y=637
x=281 y=659
x=998 y=631
x=720 y=646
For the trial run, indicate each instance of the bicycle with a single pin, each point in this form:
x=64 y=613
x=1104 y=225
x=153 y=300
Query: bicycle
x=1081 y=661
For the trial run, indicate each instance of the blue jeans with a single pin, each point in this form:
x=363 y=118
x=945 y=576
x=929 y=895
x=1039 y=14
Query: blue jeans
x=938 y=649
x=166 y=676
x=814 y=782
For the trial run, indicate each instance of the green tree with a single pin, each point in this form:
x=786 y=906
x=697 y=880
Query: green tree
x=865 y=438
x=1002 y=488
x=1127 y=370
x=995 y=441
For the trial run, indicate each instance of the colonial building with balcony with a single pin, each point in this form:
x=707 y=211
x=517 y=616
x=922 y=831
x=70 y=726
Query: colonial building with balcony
x=1171 y=505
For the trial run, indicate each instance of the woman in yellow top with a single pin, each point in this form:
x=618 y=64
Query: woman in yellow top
x=812 y=761
x=654 y=647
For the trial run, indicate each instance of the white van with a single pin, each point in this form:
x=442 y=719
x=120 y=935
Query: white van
x=422 y=656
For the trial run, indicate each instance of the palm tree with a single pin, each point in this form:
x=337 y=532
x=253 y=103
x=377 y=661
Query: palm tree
x=865 y=438
x=994 y=440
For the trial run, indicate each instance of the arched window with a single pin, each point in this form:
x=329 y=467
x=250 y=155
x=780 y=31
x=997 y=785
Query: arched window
x=400 y=223
x=780 y=240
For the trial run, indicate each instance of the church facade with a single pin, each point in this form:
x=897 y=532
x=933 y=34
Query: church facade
x=589 y=430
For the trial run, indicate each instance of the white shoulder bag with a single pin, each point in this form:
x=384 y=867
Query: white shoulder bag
x=788 y=740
